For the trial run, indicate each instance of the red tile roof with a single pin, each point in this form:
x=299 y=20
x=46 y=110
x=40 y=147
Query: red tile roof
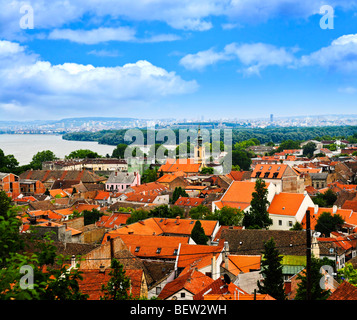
x=93 y=280
x=190 y=202
x=193 y=281
x=345 y=291
x=286 y=203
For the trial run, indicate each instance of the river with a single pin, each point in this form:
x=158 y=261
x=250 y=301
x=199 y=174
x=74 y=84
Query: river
x=25 y=146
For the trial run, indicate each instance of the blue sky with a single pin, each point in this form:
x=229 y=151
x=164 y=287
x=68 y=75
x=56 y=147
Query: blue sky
x=220 y=59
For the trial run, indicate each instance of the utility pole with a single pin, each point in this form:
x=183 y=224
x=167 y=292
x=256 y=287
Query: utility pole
x=308 y=256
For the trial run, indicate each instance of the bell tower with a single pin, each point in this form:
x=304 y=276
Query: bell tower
x=199 y=149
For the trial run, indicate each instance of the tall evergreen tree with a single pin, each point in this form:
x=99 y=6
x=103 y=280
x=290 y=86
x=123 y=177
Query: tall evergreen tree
x=198 y=233
x=258 y=216
x=272 y=271
x=317 y=292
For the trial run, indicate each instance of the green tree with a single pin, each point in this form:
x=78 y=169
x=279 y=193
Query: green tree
x=229 y=216
x=178 y=192
x=327 y=223
x=149 y=175
x=198 y=234
x=207 y=170
x=258 y=217
x=83 y=154
x=118 y=286
x=297 y=226
x=272 y=272
x=348 y=273
x=309 y=149
x=91 y=217
x=119 y=151
x=199 y=212
x=242 y=159
x=41 y=156
x=317 y=292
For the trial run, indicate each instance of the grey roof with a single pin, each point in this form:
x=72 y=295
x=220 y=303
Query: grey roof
x=3 y=175
x=121 y=177
x=319 y=175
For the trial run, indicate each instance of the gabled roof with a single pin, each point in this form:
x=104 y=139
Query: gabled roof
x=286 y=203
x=122 y=177
x=193 y=281
x=149 y=188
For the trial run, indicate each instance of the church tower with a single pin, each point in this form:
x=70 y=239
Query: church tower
x=199 y=150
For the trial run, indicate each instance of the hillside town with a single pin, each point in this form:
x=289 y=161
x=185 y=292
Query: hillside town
x=97 y=210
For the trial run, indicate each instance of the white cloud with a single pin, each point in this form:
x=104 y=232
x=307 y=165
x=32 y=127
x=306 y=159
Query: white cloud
x=93 y=36
x=254 y=57
x=348 y=90
x=340 y=56
x=36 y=84
x=179 y=14
x=202 y=59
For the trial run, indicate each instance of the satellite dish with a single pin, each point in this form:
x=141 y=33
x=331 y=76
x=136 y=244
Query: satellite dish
x=227 y=279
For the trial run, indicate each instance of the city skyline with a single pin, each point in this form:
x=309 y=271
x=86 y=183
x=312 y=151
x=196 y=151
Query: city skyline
x=177 y=59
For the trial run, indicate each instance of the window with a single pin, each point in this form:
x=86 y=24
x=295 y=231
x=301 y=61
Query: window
x=290 y=223
x=158 y=290
x=266 y=174
x=183 y=294
x=175 y=252
x=257 y=174
x=158 y=250
x=275 y=175
x=137 y=249
x=280 y=222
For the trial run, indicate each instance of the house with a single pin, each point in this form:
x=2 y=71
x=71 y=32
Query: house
x=148 y=189
x=185 y=287
x=221 y=286
x=10 y=184
x=119 y=181
x=150 y=199
x=288 y=208
x=172 y=181
x=282 y=175
x=239 y=195
x=59 y=232
x=31 y=187
x=161 y=273
x=233 y=264
x=100 y=164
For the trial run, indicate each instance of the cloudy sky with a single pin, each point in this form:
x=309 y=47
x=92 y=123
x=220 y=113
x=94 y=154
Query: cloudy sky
x=215 y=59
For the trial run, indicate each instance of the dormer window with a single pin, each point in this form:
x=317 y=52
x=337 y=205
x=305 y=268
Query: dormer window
x=257 y=174
x=266 y=174
x=158 y=250
x=137 y=249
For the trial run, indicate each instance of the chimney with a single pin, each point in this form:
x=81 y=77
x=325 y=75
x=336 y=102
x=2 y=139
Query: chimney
x=316 y=208
x=178 y=220
x=116 y=173
x=334 y=209
x=73 y=261
x=101 y=269
x=226 y=251
x=213 y=268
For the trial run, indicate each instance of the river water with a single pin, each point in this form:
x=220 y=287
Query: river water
x=25 y=146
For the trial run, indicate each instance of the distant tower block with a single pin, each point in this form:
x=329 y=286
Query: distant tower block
x=271 y=118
